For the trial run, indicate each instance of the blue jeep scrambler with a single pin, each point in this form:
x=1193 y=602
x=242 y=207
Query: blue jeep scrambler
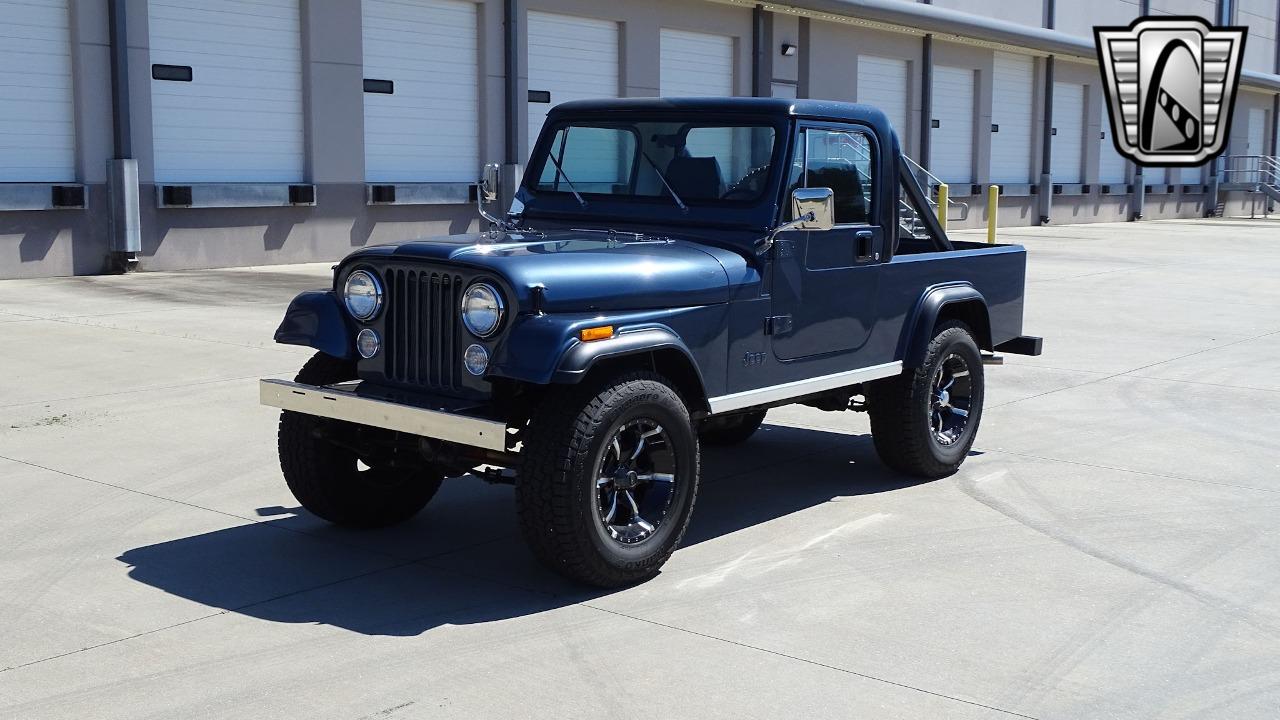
x=667 y=271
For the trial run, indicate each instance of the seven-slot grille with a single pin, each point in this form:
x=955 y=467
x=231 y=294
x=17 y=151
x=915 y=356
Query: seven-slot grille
x=422 y=326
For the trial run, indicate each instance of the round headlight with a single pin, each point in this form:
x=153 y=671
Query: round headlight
x=362 y=294
x=482 y=309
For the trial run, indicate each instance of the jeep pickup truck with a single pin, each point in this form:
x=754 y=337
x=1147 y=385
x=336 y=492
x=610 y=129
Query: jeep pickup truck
x=668 y=270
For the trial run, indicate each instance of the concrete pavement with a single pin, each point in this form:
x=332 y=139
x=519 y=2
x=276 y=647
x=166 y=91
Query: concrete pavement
x=1109 y=550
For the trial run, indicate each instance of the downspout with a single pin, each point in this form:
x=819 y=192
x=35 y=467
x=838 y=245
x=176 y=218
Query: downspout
x=926 y=101
x=1046 y=146
x=1216 y=167
x=124 y=211
x=511 y=160
x=761 y=60
x=1139 y=180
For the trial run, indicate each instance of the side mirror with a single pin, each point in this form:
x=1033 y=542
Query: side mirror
x=490 y=179
x=813 y=208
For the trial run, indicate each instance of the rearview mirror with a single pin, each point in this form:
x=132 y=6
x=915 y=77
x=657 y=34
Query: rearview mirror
x=813 y=208
x=490 y=178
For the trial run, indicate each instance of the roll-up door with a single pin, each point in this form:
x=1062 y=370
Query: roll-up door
x=570 y=58
x=1067 y=156
x=37 y=127
x=227 y=106
x=1013 y=83
x=695 y=64
x=1112 y=167
x=951 y=142
x=883 y=82
x=422 y=122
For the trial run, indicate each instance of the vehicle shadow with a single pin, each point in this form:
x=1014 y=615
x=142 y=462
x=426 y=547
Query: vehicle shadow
x=462 y=561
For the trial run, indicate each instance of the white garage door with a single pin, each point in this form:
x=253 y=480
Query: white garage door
x=239 y=117
x=695 y=64
x=1013 y=83
x=572 y=58
x=1067 y=157
x=1112 y=167
x=951 y=143
x=426 y=129
x=37 y=131
x=883 y=82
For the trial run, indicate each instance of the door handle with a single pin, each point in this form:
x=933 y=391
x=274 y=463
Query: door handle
x=866 y=244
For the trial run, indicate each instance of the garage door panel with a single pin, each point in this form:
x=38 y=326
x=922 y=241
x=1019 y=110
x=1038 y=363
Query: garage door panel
x=573 y=58
x=1067 y=149
x=240 y=118
x=428 y=130
x=884 y=82
x=37 y=132
x=1013 y=84
x=951 y=144
x=1112 y=166
x=695 y=64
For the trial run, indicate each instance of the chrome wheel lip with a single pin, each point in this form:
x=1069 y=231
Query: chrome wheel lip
x=950 y=400
x=635 y=482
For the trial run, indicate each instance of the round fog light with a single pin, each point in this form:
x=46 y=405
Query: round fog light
x=476 y=359
x=367 y=343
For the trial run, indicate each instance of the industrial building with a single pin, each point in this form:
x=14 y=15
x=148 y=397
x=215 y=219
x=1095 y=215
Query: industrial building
x=169 y=134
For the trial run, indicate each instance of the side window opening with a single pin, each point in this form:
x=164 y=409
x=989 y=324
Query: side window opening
x=841 y=160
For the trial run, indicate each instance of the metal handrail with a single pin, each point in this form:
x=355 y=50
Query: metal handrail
x=933 y=181
x=1265 y=169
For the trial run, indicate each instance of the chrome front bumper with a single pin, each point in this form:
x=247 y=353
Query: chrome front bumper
x=343 y=404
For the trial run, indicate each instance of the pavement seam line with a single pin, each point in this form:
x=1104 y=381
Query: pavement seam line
x=1135 y=370
x=1116 y=468
x=807 y=661
x=271 y=347
x=131 y=391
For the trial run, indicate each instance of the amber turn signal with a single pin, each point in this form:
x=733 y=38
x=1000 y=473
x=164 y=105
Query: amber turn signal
x=604 y=332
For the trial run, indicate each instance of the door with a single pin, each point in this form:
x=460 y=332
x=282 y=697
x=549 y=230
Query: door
x=1067 y=150
x=229 y=106
x=1012 y=88
x=1256 y=143
x=884 y=82
x=951 y=139
x=570 y=58
x=421 y=124
x=37 y=130
x=1112 y=167
x=695 y=64
x=825 y=283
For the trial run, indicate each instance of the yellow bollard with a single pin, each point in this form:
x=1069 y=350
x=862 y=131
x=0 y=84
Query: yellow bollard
x=942 y=205
x=993 y=203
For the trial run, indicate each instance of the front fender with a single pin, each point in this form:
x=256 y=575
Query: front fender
x=316 y=319
x=918 y=331
x=545 y=349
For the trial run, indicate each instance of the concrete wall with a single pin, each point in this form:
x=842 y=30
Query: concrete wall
x=62 y=242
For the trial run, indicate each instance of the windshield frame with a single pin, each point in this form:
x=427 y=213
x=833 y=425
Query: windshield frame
x=543 y=202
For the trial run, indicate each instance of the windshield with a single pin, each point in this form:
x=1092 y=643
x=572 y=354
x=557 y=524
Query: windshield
x=687 y=163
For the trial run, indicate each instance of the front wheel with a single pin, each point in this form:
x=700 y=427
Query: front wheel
x=330 y=479
x=924 y=420
x=608 y=480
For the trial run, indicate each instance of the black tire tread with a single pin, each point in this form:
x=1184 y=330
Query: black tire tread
x=558 y=440
x=902 y=437
x=313 y=471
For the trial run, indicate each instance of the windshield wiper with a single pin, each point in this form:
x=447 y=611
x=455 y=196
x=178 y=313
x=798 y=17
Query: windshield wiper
x=565 y=175
x=667 y=185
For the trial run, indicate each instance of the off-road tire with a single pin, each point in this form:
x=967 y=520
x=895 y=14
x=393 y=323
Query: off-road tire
x=556 y=490
x=901 y=409
x=327 y=480
x=733 y=431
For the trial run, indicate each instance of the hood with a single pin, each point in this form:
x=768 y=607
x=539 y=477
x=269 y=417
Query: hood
x=583 y=271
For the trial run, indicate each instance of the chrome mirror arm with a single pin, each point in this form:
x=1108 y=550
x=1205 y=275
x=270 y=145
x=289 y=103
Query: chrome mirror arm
x=764 y=244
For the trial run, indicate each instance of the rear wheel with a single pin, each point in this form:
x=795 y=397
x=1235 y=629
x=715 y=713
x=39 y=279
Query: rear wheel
x=608 y=479
x=924 y=420
x=333 y=480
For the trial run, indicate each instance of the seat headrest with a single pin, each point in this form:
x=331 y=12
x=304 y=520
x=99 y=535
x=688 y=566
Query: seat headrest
x=696 y=178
